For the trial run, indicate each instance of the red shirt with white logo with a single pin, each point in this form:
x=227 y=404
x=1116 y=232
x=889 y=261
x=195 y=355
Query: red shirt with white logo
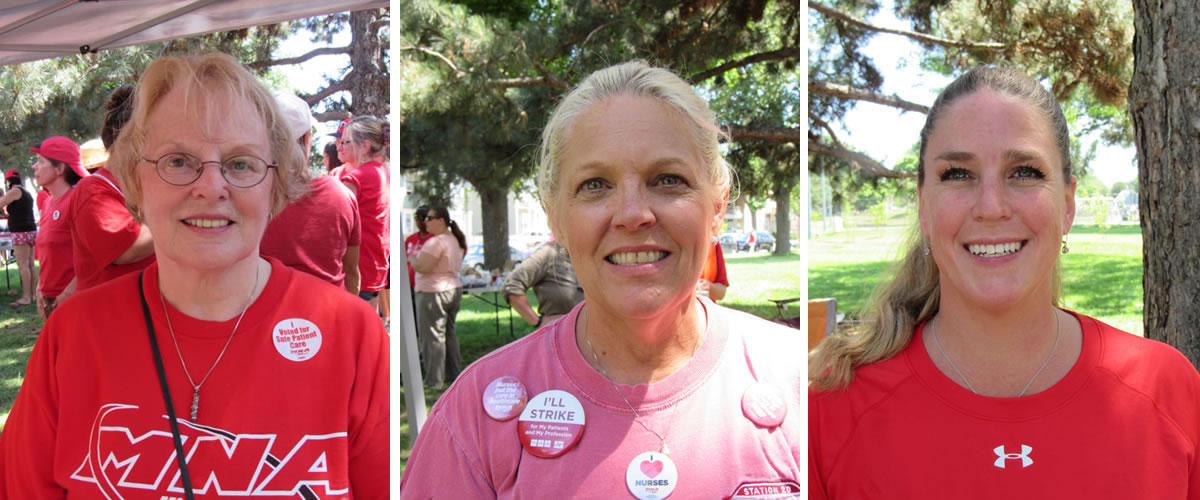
x=298 y=402
x=412 y=246
x=717 y=451
x=313 y=233
x=56 y=262
x=370 y=180
x=1123 y=423
x=102 y=229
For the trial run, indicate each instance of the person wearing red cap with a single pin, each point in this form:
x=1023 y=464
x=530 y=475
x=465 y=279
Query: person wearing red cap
x=107 y=241
x=19 y=204
x=58 y=169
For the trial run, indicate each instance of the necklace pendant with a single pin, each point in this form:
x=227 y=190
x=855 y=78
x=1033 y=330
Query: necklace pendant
x=664 y=450
x=195 y=404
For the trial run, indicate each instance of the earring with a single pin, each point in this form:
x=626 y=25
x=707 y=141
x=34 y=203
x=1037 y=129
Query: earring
x=1065 y=249
x=926 y=250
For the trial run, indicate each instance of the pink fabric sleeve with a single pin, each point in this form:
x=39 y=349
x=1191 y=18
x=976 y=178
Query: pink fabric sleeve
x=439 y=467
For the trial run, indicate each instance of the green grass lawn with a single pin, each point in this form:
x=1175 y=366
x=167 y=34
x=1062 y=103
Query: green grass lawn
x=1102 y=275
x=18 y=332
x=753 y=279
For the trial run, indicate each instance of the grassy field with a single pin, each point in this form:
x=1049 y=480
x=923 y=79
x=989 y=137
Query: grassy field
x=753 y=280
x=1102 y=275
x=18 y=332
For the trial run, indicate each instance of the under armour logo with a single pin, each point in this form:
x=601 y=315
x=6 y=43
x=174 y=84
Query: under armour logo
x=1023 y=455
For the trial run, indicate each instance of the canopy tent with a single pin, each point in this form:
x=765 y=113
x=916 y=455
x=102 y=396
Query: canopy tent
x=43 y=29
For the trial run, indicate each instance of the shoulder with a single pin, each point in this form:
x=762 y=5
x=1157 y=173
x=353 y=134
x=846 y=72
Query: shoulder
x=773 y=351
x=1147 y=366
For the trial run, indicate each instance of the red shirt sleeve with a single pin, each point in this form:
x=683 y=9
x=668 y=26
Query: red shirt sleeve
x=720 y=277
x=101 y=230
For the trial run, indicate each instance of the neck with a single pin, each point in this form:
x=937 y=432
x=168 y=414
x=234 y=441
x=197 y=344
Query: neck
x=210 y=295
x=1002 y=353
x=640 y=351
x=58 y=187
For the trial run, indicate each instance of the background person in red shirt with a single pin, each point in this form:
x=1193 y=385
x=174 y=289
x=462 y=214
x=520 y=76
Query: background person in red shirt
x=319 y=233
x=413 y=243
x=106 y=240
x=58 y=169
x=364 y=149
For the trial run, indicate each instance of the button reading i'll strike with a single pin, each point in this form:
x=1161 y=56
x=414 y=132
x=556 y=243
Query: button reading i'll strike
x=551 y=423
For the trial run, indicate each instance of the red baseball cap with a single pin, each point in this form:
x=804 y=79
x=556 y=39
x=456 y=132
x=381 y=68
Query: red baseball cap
x=62 y=149
x=341 y=128
x=12 y=173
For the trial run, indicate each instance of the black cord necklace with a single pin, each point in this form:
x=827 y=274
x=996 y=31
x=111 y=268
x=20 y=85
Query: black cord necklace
x=166 y=391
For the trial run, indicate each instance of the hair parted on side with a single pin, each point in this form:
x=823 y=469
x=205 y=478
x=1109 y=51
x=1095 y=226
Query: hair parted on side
x=912 y=295
x=639 y=79
x=214 y=85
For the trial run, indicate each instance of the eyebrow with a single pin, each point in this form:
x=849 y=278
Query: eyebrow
x=1008 y=155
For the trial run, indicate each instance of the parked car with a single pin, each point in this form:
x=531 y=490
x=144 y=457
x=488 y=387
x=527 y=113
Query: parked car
x=764 y=241
x=740 y=242
x=728 y=242
x=474 y=256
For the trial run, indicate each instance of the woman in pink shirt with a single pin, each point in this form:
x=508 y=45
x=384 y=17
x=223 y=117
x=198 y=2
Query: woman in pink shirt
x=439 y=293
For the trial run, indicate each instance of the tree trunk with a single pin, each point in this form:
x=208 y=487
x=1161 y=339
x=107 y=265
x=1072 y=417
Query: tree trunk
x=369 y=79
x=1164 y=101
x=783 y=215
x=494 y=205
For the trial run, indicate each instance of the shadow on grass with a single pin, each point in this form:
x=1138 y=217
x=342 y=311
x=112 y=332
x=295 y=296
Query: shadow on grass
x=850 y=284
x=1102 y=285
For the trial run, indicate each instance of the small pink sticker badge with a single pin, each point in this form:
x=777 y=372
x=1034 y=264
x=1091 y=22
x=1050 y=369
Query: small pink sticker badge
x=504 y=398
x=763 y=404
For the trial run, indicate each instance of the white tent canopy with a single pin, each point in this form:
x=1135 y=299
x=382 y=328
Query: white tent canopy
x=43 y=29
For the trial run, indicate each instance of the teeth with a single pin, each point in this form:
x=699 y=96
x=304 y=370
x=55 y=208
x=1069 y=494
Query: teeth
x=633 y=258
x=995 y=250
x=207 y=222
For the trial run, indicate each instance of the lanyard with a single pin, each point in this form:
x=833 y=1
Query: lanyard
x=162 y=382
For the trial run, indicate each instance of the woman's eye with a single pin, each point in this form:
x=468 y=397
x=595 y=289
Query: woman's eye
x=592 y=185
x=1028 y=172
x=671 y=180
x=955 y=174
x=176 y=161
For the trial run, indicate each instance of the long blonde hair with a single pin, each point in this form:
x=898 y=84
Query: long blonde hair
x=912 y=296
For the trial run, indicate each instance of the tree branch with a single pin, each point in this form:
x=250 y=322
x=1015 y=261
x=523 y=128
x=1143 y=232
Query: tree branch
x=323 y=51
x=769 y=134
x=821 y=123
x=551 y=80
x=444 y=59
x=863 y=161
x=858 y=94
x=331 y=116
x=334 y=87
x=773 y=55
x=920 y=37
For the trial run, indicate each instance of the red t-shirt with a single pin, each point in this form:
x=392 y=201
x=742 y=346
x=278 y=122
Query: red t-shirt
x=56 y=265
x=370 y=180
x=714 y=267
x=102 y=229
x=312 y=233
x=1123 y=423
x=298 y=402
x=412 y=246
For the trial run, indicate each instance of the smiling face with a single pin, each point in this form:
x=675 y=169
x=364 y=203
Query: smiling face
x=207 y=224
x=994 y=205
x=634 y=206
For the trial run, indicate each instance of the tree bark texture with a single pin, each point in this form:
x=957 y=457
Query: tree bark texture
x=494 y=205
x=369 y=79
x=1164 y=102
x=783 y=215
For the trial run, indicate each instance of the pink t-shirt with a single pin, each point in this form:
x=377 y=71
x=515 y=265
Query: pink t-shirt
x=717 y=450
x=312 y=233
x=444 y=275
x=370 y=180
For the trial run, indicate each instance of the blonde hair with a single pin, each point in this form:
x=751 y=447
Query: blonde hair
x=214 y=84
x=369 y=129
x=638 y=79
x=897 y=306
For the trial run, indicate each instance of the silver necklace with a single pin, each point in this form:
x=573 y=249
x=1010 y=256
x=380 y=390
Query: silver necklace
x=637 y=416
x=1045 y=363
x=195 y=386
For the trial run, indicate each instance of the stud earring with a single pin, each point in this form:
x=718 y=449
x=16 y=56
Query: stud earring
x=926 y=251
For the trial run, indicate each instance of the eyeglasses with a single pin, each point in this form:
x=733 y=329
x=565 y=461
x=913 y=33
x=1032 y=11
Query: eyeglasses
x=181 y=169
x=432 y=217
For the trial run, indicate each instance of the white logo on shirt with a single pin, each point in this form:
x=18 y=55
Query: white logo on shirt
x=55 y=215
x=1023 y=456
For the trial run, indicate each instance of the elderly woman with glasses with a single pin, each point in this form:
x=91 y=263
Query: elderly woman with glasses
x=213 y=371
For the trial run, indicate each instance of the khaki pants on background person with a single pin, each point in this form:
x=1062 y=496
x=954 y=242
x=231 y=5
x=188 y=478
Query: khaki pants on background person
x=436 y=313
